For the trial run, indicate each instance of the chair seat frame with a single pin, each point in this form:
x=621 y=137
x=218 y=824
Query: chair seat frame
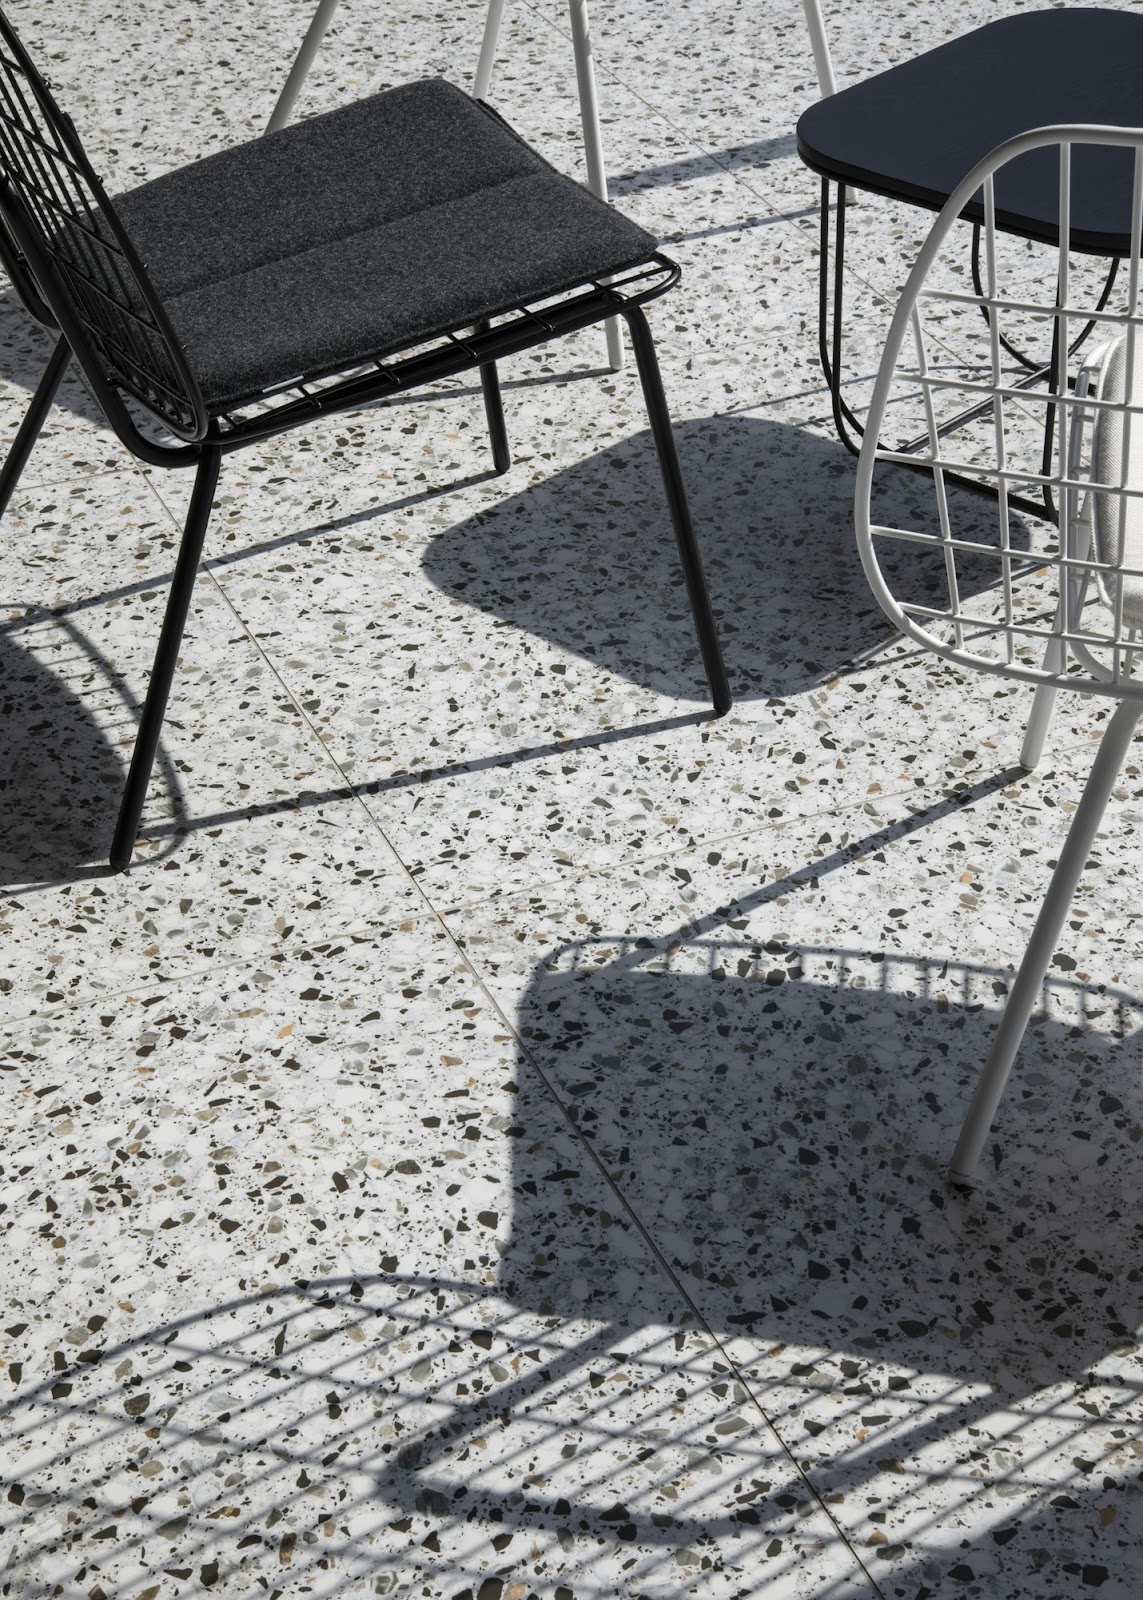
x=53 y=175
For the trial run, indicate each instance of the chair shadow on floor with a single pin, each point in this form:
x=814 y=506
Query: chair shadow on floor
x=61 y=776
x=780 y=1117
x=585 y=558
x=777 y=1116
x=585 y=561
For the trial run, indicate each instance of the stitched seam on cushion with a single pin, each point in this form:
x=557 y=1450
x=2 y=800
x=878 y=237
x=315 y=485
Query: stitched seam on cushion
x=437 y=330
x=356 y=233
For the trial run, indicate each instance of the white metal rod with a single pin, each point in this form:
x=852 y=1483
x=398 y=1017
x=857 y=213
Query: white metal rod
x=961 y=297
x=588 y=99
x=1042 y=703
x=823 y=65
x=483 y=80
x=820 y=46
x=592 y=140
x=999 y=441
x=1073 y=858
x=315 y=33
x=585 y=80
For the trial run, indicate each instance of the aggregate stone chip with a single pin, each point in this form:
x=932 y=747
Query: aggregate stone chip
x=491 y=1146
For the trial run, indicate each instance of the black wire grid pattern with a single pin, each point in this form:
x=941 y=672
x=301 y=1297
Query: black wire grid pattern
x=56 y=209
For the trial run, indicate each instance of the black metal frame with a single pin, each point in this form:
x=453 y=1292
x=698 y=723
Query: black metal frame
x=78 y=273
x=829 y=352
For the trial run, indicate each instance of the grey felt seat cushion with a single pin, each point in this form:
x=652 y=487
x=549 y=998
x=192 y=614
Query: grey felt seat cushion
x=352 y=234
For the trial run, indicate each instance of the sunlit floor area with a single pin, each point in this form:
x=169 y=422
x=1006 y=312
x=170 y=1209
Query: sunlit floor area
x=492 y=1143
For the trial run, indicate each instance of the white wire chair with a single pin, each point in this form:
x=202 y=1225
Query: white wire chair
x=1057 y=604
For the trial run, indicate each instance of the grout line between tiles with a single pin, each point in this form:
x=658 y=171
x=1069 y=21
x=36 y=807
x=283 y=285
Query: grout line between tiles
x=636 y=1221
x=493 y=1005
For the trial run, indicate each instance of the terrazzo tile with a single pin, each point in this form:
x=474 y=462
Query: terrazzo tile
x=250 y=835
x=75 y=441
x=497 y=659
x=771 y=1055
x=737 y=79
x=307 y=1355
x=660 y=977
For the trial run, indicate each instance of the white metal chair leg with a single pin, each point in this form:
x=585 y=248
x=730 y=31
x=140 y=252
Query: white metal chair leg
x=483 y=80
x=588 y=114
x=1042 y=703
x=303 y=61
x=823 y=62
x=827 y=83
x=1073 y=857
x=592 y=141
x=1041 y=715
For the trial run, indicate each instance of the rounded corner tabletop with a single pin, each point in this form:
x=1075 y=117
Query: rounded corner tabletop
x=912 y=132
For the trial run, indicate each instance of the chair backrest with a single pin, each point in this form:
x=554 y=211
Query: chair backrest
x=64 y=246
x=1053 y=597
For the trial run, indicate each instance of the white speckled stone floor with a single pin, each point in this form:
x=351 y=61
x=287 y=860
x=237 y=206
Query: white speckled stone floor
x=491 y=1145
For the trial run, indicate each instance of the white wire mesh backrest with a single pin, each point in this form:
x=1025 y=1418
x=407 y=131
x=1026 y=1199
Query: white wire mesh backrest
x=1057 y=553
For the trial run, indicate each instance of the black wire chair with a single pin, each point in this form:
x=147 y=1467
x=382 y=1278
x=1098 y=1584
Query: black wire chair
x=403 y=239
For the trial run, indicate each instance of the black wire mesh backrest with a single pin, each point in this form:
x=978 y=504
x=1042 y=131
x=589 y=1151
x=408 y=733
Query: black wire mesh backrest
x=83 y=263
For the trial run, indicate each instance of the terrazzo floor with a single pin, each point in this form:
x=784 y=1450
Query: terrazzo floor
x=491 y=1146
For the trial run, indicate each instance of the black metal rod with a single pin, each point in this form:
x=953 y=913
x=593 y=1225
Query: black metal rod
x=34 y=419
x=494 y=411
x=823 y=283
x=831 y=364
x=841 y=412
x=166 y=657
x=830 y=333
x=1050 y=420
x=671 y=468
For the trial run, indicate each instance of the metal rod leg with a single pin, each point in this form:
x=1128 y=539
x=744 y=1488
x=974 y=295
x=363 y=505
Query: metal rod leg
x=660 y=419
x=303 y=61
x=819 y=44
x=823 y=64
x=488 y=43
x=166 y=657
x=841 y=412
x=1073 y=857
x=829 y=336
x=1042 y=704
x=592 y=141
x=494 y=411
x=34 y=419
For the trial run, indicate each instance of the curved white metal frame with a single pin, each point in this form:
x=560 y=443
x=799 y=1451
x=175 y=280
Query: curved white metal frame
x=1078 y=404
x=585 y=84
x=1088 y=644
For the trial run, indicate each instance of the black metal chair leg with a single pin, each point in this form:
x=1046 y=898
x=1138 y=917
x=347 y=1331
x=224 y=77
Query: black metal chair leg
x=494 y=411
x=166 y=657
x=672 y=471
x=34 y=418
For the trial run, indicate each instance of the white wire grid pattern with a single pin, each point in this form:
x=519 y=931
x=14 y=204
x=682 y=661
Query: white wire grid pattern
x=1055 y=598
